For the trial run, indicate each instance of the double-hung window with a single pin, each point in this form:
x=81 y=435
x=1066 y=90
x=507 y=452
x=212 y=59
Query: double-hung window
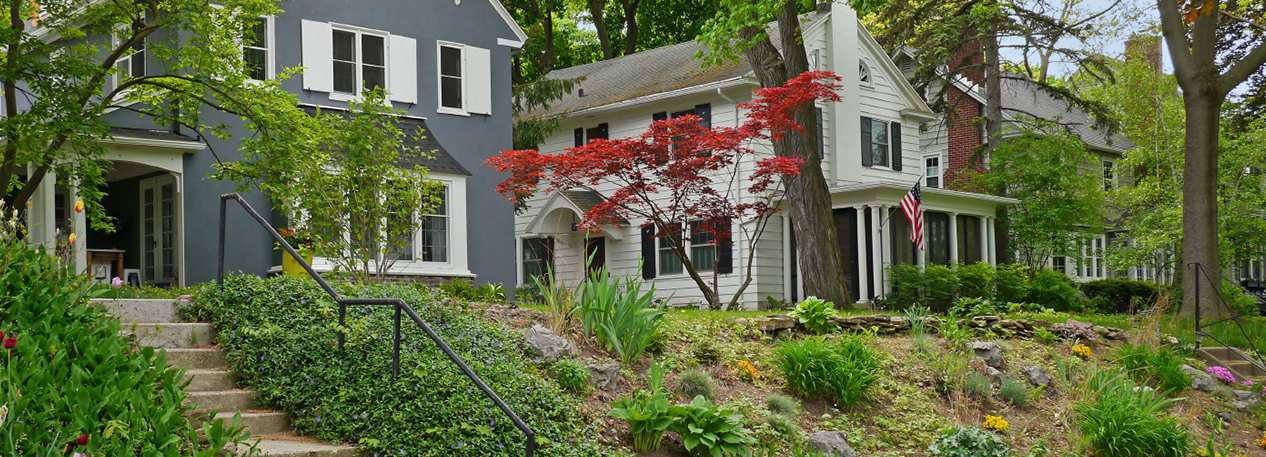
x=669 y=262
x=257 y=50
x=703 y=247
x=538 y=259
x=452 y=84
x=1109 y=174
x=360 y=61
x=133 y=64
x=878 y=142
x=435 y=231
x=932 y=171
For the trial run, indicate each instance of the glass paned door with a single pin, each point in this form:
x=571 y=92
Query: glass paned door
x=159 y=236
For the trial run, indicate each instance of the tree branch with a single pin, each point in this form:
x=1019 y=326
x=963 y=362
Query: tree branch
x=1175 y=31
x=1242 y=69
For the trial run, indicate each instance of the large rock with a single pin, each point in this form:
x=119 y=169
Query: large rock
x=1246 y=398
x=833 y=444
x=1036 y=375
x=604 y=376
x=777 y=322
x=1200 y=380
x=548 y=346
x=989 y=352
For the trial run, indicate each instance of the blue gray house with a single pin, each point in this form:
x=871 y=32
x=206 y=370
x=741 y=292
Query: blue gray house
x=446 y=63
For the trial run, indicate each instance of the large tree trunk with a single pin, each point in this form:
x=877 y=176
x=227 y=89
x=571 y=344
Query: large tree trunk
x=808 y=197
x=596 y=8
x=1200 y=205
x=630 y=26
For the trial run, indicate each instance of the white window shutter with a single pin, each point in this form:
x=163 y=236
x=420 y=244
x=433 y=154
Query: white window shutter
x=318 y=56
x=478 y=80
x=404 y=69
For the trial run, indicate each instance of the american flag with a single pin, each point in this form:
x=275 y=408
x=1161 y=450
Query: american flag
x=911 y=205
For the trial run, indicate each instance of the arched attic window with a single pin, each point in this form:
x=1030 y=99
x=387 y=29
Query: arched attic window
x=863 y=72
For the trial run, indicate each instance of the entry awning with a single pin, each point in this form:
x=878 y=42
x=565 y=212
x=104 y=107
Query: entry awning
x=552 y=218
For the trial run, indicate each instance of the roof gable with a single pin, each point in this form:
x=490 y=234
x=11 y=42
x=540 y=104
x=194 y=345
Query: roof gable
x=871 y=48
x=505 y=15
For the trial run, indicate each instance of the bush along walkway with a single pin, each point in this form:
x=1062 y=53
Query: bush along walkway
x=212 y=388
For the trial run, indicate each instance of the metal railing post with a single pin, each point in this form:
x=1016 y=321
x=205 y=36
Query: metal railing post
x=224 y=202
x=395 y=354
x=342 y=325
x=1198 y=272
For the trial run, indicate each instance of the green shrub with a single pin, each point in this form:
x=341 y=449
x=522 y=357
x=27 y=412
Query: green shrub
x=1045 y=336
x=977 y=385
x=71 y=374
x=710 y=430
x=572 y=376
x=646 y=411
x=907 y=286
x=1121 y=294
x=1015 y=392
x=956 y=335
x=622 y=317
x=1160 y=365
x=968 y=442
x=491 y=292
x=279 y=335
x=694 y=382
x=815 y=314
x=841 y=370
x=976 y=280
x=969 y=307
x=459 y=289
x=1119 y=420
x=1011 y=283
x=529 y=293
x=940 y=287
x=706 y=351
x=1052 y=289
x=785 y=427
x=783 y=404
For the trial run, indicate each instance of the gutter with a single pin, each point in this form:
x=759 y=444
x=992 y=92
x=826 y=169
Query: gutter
x=707 y=87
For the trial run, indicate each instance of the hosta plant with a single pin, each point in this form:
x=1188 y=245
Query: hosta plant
x=646 y=412
x=710 y=430
x=815 y=314
x=968 y=442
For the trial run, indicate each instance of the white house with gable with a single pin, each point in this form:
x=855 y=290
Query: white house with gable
x=871 y=148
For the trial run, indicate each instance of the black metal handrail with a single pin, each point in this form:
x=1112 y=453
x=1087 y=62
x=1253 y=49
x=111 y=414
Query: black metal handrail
x=398 y=304
x=1204 y=271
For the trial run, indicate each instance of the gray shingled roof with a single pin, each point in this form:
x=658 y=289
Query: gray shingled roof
x=148 y=134
x=585 y=200
x=418 y=137
x=646 y=73
x=1024 y=97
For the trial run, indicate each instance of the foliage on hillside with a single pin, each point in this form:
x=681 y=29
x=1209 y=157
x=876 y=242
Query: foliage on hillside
x=280 y=335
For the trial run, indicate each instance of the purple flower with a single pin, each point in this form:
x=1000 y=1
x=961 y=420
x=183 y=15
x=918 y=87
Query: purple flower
x=1222 y=373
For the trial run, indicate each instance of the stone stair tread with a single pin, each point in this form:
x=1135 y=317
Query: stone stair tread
x=258 y=422
x=209 y=380
x=211 y=357
x=286 y=444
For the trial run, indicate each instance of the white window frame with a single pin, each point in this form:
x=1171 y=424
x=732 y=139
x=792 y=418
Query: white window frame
x=448 y=231
x=116 y=41
x=887 y=146
x=359 y=85
x=439 y=79
x=940 y=171
x=1108 y=167
x=270 y=52
x=865 y=76
x=690 y=246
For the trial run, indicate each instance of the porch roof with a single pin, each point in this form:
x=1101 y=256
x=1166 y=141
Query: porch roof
x=418 y=137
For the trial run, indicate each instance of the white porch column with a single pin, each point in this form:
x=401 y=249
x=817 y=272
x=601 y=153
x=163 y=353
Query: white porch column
x=993 y=242
x=878 y=246
x=41 y=216
x=786 y=258
x=885 y=241
x=81 y=231
x=921 y=251
x=984 y=239
x=863 y=269
x=953 y=238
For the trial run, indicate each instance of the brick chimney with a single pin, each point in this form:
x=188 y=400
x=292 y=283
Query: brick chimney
x=969 y=55
x=1144 y=47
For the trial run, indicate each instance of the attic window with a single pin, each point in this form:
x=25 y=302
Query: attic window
x=864 y=71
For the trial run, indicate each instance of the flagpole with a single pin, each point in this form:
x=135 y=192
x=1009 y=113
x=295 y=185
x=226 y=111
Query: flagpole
x=883 y=275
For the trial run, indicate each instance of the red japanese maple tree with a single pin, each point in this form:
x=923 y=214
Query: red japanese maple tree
x=678 y=171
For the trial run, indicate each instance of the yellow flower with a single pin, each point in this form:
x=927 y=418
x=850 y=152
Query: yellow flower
x=71 y=239
x=996 y=423
x=79 y=206
x=1082 y=350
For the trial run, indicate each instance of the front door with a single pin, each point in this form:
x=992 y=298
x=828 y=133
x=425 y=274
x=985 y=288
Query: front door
x=159 y=223
x=596 y=252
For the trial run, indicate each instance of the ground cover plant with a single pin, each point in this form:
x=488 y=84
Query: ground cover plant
x=815 y=314
x=280 y=336
x=68 y=380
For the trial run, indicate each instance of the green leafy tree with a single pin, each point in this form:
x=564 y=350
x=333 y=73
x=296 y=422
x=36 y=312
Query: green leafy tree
x=60 y=76
x=354 y=185
x=1060 y=203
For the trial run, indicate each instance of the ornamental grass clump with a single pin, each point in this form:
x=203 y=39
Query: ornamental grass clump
x=1160 y=365
x=842 y=370
x=1117 y=418
x=785 y=405
x=1015 y=392
x=694 y=382
x=622 y=317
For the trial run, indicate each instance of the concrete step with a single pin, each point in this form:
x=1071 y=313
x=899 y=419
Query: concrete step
x=258 y=423
x=293 y=448
x=195 y=358
x=222 y=400
x=140 y=310
x=1244 y=367
x=203 y=380
x=171 y=335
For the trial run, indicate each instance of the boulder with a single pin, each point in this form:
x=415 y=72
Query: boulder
x=1200 y=380
x=604 y=376
x=832 y=444
x=1038 y=323
x=1250 y=398
x=1242 y=405
x=989 y=352
x=777 y=322
x=994 y=374
x=1225 y=416
x=1036 y=375
x=548 y=346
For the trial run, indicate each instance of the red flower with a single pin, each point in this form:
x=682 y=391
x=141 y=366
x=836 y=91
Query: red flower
x=82 y=440
x=10 y=343
x=1 y=335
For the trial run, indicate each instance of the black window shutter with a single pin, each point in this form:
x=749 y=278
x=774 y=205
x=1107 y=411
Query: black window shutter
x=580 y=136
x=725 y=249
x=648 y=251
x=662 y=115
x=821 y=141
x=549 y=249
x=704 y=112
x=868 y=158
x=895 y=141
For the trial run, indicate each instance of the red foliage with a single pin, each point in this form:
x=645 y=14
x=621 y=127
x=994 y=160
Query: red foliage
x=676 y=170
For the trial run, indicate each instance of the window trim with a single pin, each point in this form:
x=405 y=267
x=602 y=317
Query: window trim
x=360 y=78
x=1109 y=166
x=439 y=79
x=448 y=229
x=940 y=171
x=270 y=52
x=690 y=246
x=867 y=79
x=524 y=241
x=887 y=129
x=115 y=41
